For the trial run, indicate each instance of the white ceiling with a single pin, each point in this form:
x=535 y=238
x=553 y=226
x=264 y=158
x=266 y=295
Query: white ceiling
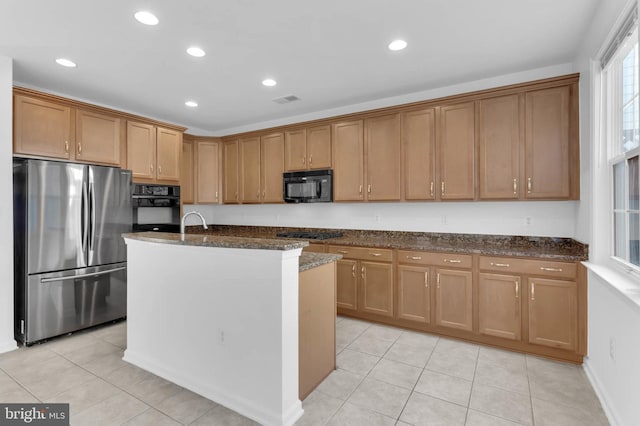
x=329 y=53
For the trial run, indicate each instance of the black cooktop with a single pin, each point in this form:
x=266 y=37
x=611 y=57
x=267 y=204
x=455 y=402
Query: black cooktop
x=310 y=235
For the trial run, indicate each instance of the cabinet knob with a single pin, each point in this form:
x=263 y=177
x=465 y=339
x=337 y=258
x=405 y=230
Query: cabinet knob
x=426 y=279
x=304 y=160
x=79 y=148
x=362 y=272
x=438 y=280
x=528 y=185
x=216 y=195
x=500 y=265
x=442 y=188
x=517 y=290
x=542 y=268
x=376 y=254
x=414 y=257
x=344 y=252
x=159 y=169
x=369 y=189
x=360 y=190
x=452 y=260
x=515 y=187
x=533 y=291
x=151 y=167
x=431 y=189
x=353 y=271
x=311 y=160
x=66 y=146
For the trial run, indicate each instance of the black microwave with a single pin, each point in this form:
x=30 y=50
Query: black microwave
x=313 y=186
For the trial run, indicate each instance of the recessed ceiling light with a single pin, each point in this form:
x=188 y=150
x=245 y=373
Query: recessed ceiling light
x=269 y=82
x=191 y=104
x=66 y=63
x=146 y=18
x=397 y=45
x=195 y=51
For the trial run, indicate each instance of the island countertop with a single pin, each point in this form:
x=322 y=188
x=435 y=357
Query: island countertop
x=311 y=260
x=208 y=240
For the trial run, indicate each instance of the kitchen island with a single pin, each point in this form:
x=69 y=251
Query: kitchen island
x=219 y=316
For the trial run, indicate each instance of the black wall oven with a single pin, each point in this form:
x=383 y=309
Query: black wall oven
x=156 y=208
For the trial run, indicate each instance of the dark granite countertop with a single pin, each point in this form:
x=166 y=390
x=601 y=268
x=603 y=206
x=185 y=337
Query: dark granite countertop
x=309 y=260
x=562 y=249
x=215 y=240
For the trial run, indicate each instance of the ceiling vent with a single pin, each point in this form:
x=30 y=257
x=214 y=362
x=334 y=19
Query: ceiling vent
x=286 y=99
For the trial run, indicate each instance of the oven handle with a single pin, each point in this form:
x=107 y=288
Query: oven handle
x=73 y=277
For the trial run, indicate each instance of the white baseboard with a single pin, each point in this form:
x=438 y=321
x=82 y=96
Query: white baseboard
x=604 y=398
x=222 y=397
x=7 y=346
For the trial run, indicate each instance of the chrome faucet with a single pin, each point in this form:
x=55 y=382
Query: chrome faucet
x=204 y=224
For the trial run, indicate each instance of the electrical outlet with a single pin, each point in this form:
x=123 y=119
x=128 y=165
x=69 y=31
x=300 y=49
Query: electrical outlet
x=612 y=348
x=221 y=336
x=377 y=217
x=527 y=220
x=444 y=219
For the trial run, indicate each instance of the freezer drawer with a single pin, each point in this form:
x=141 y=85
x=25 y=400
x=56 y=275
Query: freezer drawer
x=67 y=301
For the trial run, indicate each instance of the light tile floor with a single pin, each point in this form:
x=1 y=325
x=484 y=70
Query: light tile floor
x=385 y=376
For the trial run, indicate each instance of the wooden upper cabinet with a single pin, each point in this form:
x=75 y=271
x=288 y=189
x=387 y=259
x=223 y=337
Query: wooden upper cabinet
x=230 y=172
x=414 y=301
x=272 y=167
x=319 y=147
x=456 y=147
x=419 y=154
x=169 y=147
x=348 y=161
x=499 y=306
x=499 y=148
x=382 y=151
x=98 y=138
x=42 y=128
x=249 y=150
x=141 y=150
x=186 y=172
x=295 y=150
x=553 y=313
x=547 y=144
x=207 y=172
x=454 y=299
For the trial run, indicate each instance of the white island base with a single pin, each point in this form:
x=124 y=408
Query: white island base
x=221 y=322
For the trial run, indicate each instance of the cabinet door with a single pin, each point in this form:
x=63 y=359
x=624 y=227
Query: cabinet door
x=499 y=147
x=230 y=163
x=414 y=302
x=141 y=151
x=272 y=167
x=454 y=299
x=97 y=138
x=382 y=151
x=295 y=150
x=377 y=288
x=418 y=151
x=207 y=172
x=41 y=128
x=319 y=147
x=547 y=143
x=553 y=315
x=499 y=305
x=348 y=161
x=168 y=155
x=250 y=170
x=186 y=173
x=456 y=146
x=347 y=285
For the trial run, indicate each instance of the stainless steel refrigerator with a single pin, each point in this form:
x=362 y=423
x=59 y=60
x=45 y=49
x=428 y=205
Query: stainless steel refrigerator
x=70 y=259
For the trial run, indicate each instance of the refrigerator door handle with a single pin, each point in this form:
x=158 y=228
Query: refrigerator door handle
x=74 y=277
x=84 y=217
x=92 y=210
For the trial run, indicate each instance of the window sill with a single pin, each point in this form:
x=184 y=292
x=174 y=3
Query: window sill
x=626 y=283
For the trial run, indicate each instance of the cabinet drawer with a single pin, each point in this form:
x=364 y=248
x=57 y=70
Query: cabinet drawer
x=543 y=268
x=363 y=253
x=436 y=259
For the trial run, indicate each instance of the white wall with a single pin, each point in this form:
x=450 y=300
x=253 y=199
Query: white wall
x=553 y=219
x=614 y=319
x=6 y=210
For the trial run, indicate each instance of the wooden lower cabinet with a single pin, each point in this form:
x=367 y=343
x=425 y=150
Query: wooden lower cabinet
x=347 y=285
x=414 y=301
x=454 y=299
x=553 y=313
x=499 y=306
x=377 y=288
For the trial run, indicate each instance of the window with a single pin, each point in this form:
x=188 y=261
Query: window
x=621 y=79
